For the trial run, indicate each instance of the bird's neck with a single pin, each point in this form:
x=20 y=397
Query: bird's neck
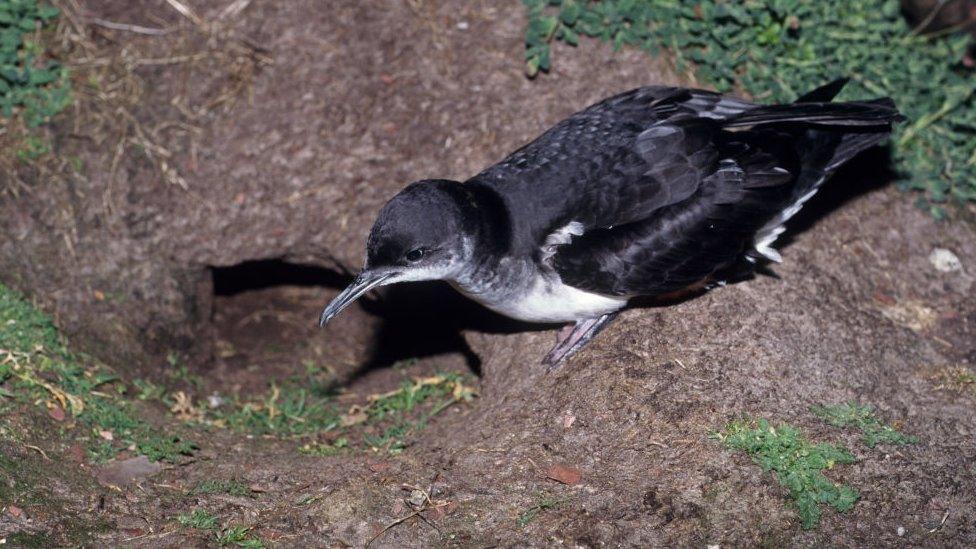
x=485 y=220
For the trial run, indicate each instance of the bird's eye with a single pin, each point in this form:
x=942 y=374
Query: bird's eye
x=416 y=255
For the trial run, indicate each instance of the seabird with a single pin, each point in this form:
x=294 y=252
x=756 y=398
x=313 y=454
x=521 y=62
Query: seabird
x=651 y=192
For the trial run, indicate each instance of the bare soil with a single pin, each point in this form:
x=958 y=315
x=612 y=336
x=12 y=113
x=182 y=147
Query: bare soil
x=274 y=135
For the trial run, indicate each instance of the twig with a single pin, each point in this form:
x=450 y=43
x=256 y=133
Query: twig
x=391 y=525
x=138 y=29
x=185 y=11
x=38 y=450
x=932 y=14
x=941 y=524
x=234 y=9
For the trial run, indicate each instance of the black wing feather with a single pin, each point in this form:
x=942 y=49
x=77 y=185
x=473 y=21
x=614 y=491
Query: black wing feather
x=743 y=171
x=672 y=184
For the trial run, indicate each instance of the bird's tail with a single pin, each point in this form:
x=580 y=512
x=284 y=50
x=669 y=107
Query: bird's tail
x=875 y=113
x=826 y=135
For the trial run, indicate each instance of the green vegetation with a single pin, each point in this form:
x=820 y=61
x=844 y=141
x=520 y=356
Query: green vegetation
x=33 y=148
x=220 y=486
x=29 y=83
x=443 y=390
x=797 y=463
x=20 y=482
x=36 y=366
x=959 y=379
x=291 y=410
x=40 y=540
x=774 y=50
x=239 y=536
x=199 y=519
x=862 y=417
x=326 y=450
x=542 y=503
x=287 y=410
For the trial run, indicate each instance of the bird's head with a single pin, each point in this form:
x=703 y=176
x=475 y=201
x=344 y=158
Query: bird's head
x=419 y=235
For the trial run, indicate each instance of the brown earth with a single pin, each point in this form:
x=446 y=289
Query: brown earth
x=273 y=137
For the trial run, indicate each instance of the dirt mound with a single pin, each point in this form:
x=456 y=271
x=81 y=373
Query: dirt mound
x=224 y=199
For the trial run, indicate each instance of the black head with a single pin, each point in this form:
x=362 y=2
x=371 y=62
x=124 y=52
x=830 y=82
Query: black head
x=419 y=232
x=419 y=235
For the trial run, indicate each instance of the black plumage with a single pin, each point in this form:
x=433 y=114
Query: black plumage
x=672 y=184
x=646 y=193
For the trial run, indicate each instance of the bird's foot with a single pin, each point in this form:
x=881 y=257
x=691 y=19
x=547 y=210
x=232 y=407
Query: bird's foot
x=573 y=337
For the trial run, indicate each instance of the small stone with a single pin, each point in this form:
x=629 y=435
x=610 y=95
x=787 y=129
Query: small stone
x=462 y=25
x=215 y=401
x=945 y=261
x=900 y=531
x=417 y=499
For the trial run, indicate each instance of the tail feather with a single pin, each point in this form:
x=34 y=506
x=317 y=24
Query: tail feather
x=825 y=93
x=827 y=136
x=877 y=112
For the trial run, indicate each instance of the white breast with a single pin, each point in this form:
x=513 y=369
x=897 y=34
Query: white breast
x=547 y=300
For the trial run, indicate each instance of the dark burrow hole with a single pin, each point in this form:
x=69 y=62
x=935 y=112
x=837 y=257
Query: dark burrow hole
x=265 y=317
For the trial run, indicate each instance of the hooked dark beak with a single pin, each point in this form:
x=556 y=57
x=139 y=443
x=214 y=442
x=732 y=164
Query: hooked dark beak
x=365 y=282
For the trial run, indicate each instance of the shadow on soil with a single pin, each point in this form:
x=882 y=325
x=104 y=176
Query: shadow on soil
x=417 y=319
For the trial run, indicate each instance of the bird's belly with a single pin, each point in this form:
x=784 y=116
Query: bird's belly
x=546 y=301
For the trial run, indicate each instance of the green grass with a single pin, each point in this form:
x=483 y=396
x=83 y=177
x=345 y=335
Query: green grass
x=440 y=391
x=774 y=50
x=36 y=366
x=286 y=410
x=542 y=503
x=199 y=519
x=863 y=419
x=340 y=446
x=797 y=463
x=239 y=536
x=223 y=486
x=292 y=410
x=30 y=83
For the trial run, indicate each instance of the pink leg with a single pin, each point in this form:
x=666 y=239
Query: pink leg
x=572 y=338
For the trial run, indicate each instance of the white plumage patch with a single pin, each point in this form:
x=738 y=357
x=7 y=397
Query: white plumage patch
x=563 y=235
x=765 y=237
x=547 y=299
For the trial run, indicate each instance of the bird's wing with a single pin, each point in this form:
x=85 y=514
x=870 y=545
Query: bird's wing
x=613 y=163
x=737 y=181
x=726 y=182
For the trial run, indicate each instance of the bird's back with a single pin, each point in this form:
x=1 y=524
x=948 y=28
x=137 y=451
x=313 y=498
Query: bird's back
x=667 y=185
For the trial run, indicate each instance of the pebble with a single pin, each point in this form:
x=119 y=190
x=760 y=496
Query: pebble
x=944 y=260
x=215 y=401
x=900 y=531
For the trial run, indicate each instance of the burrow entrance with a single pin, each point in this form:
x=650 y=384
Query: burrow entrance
x=265 y=318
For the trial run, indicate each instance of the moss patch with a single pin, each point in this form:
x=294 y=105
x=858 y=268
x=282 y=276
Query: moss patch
x=797 y=463
x=37 y=367
x=863 y=418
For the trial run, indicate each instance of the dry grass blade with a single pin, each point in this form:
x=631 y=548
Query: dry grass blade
x=138 y=29
x=185 y=11
x=234 y=9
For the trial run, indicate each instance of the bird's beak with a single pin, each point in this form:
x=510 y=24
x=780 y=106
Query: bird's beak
x=365 y=282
